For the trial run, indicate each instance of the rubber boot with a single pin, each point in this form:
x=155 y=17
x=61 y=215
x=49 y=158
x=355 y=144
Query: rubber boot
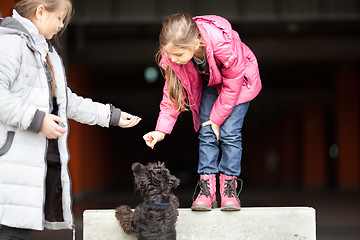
x=229 y=198
x=206 y=199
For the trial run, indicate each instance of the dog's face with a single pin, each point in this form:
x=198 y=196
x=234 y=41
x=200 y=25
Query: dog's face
x=154 y=178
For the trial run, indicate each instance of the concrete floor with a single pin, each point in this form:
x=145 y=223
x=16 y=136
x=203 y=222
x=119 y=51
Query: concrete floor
x=337 y=212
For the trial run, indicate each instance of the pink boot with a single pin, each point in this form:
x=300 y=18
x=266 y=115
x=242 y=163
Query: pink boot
x=206 y=198
x=229 y=197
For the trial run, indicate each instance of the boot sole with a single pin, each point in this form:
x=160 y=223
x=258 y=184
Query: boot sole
x=204 y=208
x=230 y=208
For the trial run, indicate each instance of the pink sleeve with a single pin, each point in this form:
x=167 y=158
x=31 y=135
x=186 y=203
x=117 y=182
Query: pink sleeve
x=168 y=114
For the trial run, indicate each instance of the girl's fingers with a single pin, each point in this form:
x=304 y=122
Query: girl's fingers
x=153 y=142
x=55 y=135
x=136 y=120
x=207 y=123
x=56 y=118
x=61 y=130
x=217 y=134
x=149 y=140
x=214 y=127
x=128 y=122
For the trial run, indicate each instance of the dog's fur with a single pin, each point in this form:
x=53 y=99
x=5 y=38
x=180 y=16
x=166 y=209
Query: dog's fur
x=151 y=220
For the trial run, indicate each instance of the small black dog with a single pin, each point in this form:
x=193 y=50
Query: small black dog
x=155 y=217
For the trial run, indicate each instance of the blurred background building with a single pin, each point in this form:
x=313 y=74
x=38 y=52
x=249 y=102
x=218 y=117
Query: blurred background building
x=301 y=132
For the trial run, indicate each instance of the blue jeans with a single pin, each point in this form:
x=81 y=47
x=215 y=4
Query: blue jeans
x=230 y=143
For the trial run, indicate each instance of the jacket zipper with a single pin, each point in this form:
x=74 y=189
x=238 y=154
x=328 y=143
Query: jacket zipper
x=44 y=191
x=68 y=171
x=46 y=150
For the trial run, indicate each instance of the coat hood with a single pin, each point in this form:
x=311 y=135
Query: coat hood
x=13 y=24
x=9 y=25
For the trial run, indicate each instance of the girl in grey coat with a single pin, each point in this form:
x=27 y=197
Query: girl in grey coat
x=35 y=104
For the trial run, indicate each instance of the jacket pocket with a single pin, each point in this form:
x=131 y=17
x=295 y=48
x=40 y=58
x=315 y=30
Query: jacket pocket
x=8 y=142
x=247 y=81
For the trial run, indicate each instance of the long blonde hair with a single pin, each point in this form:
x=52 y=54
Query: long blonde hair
x=179 y=30
x=27 y=9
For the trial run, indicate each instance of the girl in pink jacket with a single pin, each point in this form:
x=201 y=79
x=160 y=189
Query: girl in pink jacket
x=209 y=71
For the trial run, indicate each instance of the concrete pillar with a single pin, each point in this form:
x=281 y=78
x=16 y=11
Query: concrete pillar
x=314 y=147
x=290 y=152
x=77 y=76
x=260 y=164
x=347 y=125
x=90 y=147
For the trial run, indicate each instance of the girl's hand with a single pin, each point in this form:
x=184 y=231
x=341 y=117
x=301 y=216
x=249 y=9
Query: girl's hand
x=153 y=137
x=50 y=127
x=215 y=128
x=127 y=120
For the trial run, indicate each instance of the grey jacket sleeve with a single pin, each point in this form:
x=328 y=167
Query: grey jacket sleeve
x=115 y=115
x=87 y=111
x=36 y=123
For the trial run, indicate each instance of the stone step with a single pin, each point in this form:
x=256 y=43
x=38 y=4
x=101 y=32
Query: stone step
x=257 y=223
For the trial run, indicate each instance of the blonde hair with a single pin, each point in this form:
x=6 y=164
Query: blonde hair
x=181 y=31
x=27 y=9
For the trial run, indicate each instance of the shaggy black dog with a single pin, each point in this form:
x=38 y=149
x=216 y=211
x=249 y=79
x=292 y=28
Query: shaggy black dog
x=155 y=217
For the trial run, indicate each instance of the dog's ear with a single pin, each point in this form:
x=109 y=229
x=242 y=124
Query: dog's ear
x=141 y=178
x=174 y=181
x=137 y=168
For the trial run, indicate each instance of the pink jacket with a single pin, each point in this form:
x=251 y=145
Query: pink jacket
x=233 y=72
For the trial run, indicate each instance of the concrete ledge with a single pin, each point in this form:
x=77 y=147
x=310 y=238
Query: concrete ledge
x=279 y=223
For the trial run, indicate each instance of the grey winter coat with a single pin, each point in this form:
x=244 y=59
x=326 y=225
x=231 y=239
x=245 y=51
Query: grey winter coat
x=24 y=101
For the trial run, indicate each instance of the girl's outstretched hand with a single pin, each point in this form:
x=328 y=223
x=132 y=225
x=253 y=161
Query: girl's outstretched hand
x=153 y=137
x=127 y=120
x=215 y=128
x=51 y=126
